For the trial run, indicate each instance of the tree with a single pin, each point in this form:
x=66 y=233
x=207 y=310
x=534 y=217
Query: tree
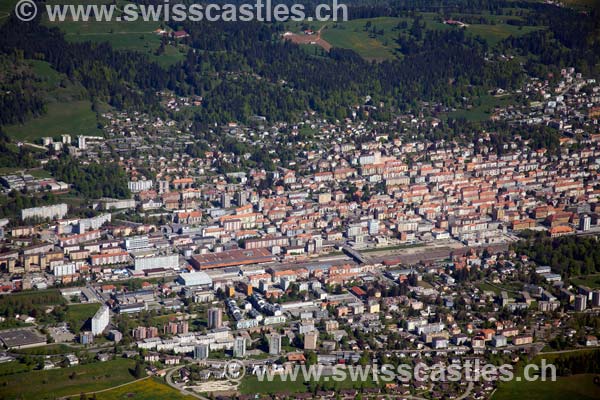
x=139 y=371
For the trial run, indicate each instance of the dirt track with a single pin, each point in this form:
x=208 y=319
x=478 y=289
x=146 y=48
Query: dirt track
x=315 y=39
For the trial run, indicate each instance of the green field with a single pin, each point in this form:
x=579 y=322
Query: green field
x=74 y=118
x=352 y=35
x=375 y=38
x=12 y=367
x=483 y=108
x=135 y=35
x=148 y=389
x=486 y=287
x=50 y=349
x=67 y=107
x=251 y=385
x=50 y=77
x=78 y=314
x=591 y=281
x=39 y=385
x=580 y=387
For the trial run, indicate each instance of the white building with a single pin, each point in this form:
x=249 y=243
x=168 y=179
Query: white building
x=201 y=351
x=64 y=269
x=373 y=227
x=140 y=186
x=151 y=261
x=53 y=211
x=195 y=279
x=274 y=344
x=93 y=223
x=239 y=347
x=585 y=223
x=100 y=320
x=137 y=242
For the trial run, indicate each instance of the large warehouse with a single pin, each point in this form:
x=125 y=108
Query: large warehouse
x=197 y=279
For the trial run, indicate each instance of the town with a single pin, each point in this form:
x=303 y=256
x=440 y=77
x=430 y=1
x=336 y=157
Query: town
x=364 y=241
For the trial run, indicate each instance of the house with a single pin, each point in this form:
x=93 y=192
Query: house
x=72 y=360
x=171 y=360
x=591 y=341
x=151 y=357
x=180 y=34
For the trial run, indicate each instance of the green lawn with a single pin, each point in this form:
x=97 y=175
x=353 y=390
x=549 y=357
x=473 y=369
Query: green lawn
x=353 y=35
x=580 y=387
x=78 y=314
x=39 y=385
x=47 y=350
x=12 y=367
x=493 y=34
x=74 y=118
x=37 y=172
x=44 y=71
x=485 y=287
x=148 y=389
x=584 y=4
x=483 y=108
x=67 y=110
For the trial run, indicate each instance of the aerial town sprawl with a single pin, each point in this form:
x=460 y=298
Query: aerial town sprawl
x=383 y=247
x=401 y=205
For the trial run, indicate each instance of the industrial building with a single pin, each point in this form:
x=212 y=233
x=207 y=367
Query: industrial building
x=198 y=279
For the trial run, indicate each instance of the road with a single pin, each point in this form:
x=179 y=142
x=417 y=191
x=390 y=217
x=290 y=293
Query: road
x=169 y=379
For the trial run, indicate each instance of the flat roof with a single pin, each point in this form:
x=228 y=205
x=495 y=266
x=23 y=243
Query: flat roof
x=24 y=337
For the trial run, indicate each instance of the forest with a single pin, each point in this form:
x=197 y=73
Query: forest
x=569 y=256
x=244 y=69
x=91 y=180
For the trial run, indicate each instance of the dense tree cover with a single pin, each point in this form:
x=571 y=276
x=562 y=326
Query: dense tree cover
x=578 y=363
x=501 y=134
x=12 y=156
x=11 y=205
x=30 y=303
x=567 y=255
x=571 y=40
x=244 y=69
x=91 y=180
x=19 y=99
x=123 y=79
